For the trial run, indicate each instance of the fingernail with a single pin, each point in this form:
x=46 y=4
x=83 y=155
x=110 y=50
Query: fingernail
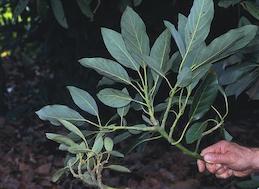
x=208 y=158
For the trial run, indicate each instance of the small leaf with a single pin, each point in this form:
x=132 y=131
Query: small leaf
x=58 y=174
x=59 y=13
x=121 y=137
x=133 y=31
x=108 y=144
x=204 y=97
x=114 y=98
x=137 y=2
x=108 y=68
x=177 y=37
x=119 y=168
x=98 y=144
x=117 y=154
x=116 y=47
x=54 y=113
x=60 y=139
x=227 y=135
x=184 y=77
x=83 y=100
x=85 y=8
x=136 y=132
x=69 y=126
x=194 y=133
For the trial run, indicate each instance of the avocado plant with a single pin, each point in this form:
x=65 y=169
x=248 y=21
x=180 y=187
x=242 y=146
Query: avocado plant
x=184 y=117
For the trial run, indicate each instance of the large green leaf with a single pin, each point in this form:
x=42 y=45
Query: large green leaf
x=204 y=96
x=116 y=47
x=108 y=68
x=60 y=139
x=20 y=7
x=69 y=126
x=114 y=98
x=133 y=31
x=85 y=8
x=58 y=11
x=194 y=133
x=227 y=44
x=53 y=113
x=83 y=100
x=182 y=21
x=252 y=8
x=198 y=24
x=177 y=37
x=160 y=51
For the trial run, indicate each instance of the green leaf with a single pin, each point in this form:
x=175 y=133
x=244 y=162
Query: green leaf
x=242 y=84
x=123 y=111
x=198 y=23
x=58 y=11
x=54 y=113
x=153 y=65
x=252 y=8
x=133 y=31
x=199 y=73
x=160 y=51
x=172 y=63
x=116 y=47
x=69 y=126
x=58 y=174
x=227 y=135
x=204 y=97
x=81 y=148
x=184 y=77
x=182 y=21
x=227 y=44
x=108 y=144
x=98 y=144
x=105 y=81
x=60 y=139
x=108 y=68
x=20 y=7
x=119 y=168
x=194 y=133
x=137 y=2
x=84 y=100
x=121 y=137
x=177 y=37
x=85 y=8
x=228 y=3
x=114 y=98
x=117 y=154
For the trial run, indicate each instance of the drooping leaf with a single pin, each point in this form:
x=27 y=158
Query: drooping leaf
x=108 y=68
x=116 y=47
x=133 y=31
x=69 y=126
x=58 y=11
x=114 y=98
x=108 y=144
x=98 y=144
x=194 y=133
x=184 y=77
x=227 y=44
x=198 y=23
x=177 y=37
x=53 y=113
x=60 y=139
x=160 y=51
x=252 y=8
x=204 y=97
x=84 y=100
x=119 y=168
x=85 y=8
x=20 y=7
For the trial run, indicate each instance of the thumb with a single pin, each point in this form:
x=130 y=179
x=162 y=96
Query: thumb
x=216 y=158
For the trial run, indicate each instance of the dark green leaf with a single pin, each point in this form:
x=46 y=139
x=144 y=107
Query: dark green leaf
x=184 y=77
x=194 y=133
x=60 y=139
x=252 y=8
x=119 y=168
x=58 y=11
x=72 y=128
x=98 y=144
x=58 y=174
x=228 y=3
x=85 y=8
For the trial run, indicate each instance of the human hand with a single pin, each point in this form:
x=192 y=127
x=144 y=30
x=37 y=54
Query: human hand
x=226 y=159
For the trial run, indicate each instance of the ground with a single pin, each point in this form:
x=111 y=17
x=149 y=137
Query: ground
x=27 y=159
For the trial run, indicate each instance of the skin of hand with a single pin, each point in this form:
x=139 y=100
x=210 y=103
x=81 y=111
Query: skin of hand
x=226 y=159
